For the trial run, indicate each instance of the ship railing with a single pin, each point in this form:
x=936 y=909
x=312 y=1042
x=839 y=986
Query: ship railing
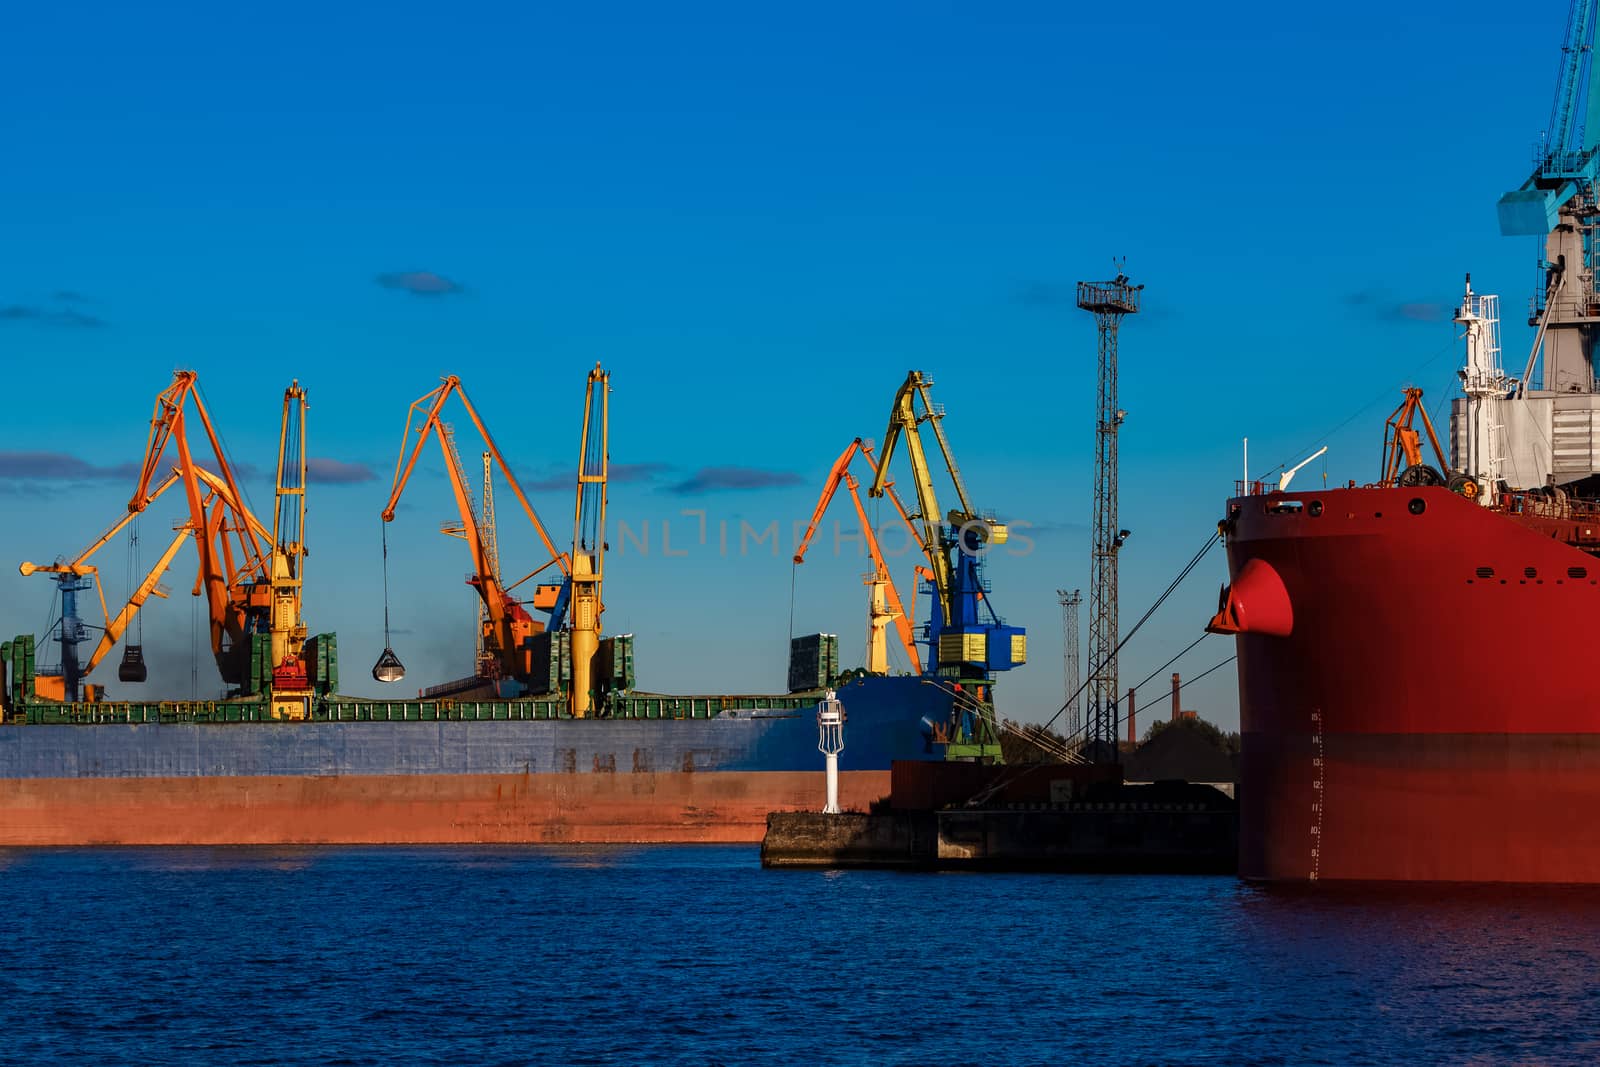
x=1556 y=505
x=1562 y=164
x=1252 y=488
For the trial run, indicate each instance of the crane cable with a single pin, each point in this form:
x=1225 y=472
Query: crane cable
x=384 y=530
x=788 y=652
x=1116 y=699
x=1364 y=408
x=1002 y=780
x=194 y=648
x=1167 y=592
x=132 y=570
x=1186 y=650
x=1212 y=539
x=225 y=456
x=1185 y=682
x=388 y=668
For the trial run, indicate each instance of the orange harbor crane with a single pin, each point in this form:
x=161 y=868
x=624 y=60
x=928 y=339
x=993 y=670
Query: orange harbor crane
x=884 y=603
x=508 y=625
x=249 y=575
x=228 y=564
x=77 y=574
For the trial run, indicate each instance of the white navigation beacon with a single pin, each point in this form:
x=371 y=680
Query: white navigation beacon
x=830 y=742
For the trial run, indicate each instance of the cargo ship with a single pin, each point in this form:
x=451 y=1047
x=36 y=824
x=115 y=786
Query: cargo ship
x=549 y=741
x=1415 y=694
x=656 y=769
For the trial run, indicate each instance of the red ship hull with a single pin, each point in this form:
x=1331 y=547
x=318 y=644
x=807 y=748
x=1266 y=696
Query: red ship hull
x=1417 y=700
x=720 y=806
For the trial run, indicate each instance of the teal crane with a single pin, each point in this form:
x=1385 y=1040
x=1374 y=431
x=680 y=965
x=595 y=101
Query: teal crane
x=1567 y=163
x=1558 y=204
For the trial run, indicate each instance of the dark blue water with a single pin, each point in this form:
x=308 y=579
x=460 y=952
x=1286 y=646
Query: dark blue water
x=696 y=955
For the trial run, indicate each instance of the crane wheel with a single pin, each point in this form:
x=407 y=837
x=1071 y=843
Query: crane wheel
x=1466 y=485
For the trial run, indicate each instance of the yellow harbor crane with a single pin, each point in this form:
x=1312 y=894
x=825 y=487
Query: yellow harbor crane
x=966 y=639
x=291 y=676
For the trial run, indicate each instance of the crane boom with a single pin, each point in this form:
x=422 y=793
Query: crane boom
x=933 y=415
x=1567 y=166
x=229 y=539
x=1574 y=84
x=435 y=401
x=877 y=662
x=835 y=476
x=965 y=638
x=114 y=627
x=491 y=546
x=150 y=586
x=899 y=505
x=903 y=422
x=168 y=425
x=509 y=623
x=79 y=564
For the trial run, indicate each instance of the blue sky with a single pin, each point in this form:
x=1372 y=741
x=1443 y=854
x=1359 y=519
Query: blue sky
x=758 y=220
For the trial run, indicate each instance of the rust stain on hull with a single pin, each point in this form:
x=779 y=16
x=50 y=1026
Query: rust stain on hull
x=722 y=806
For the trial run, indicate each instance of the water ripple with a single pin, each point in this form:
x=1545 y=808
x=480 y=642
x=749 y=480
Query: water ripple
x=696 y=956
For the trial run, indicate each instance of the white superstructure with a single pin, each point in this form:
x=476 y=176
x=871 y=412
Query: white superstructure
x=1527 y=434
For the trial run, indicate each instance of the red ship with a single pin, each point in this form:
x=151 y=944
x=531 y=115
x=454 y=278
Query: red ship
x=1417 y=697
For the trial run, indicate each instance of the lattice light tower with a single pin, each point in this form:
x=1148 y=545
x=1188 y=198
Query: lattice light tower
x=1109 y=301
x=1072 y=673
